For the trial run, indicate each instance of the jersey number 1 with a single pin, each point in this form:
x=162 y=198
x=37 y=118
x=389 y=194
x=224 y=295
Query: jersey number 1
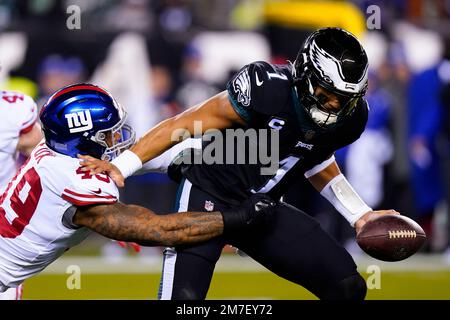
x=16 y=211
x=286 y=165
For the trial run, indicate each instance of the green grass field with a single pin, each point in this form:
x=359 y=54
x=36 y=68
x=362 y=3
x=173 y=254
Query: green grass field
x=244 y=284
x=258 y=285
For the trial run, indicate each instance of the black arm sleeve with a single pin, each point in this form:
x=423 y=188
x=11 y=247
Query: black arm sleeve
x=67 y=218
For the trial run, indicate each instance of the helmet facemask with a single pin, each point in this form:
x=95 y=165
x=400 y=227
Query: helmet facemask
x=116 y=139
x=315 y=107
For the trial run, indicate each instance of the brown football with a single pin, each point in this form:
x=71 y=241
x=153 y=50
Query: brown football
x=391 y=237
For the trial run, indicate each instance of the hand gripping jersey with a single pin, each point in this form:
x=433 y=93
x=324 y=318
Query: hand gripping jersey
x=263 y=94
x=34 y=230
x=18 y=114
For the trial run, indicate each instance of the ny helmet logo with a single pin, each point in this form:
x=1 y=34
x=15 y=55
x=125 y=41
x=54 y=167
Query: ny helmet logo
x=79 y=121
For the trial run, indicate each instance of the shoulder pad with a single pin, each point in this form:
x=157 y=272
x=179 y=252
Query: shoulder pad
x=87 y=189
x=259 y=87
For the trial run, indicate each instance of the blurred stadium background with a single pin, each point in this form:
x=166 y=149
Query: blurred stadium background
x=158 y=57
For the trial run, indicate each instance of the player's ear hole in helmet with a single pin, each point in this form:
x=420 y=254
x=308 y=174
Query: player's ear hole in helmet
x=85 y=119
x=331 y=66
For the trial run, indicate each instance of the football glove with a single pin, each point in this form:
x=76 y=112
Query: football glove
x=253 y=211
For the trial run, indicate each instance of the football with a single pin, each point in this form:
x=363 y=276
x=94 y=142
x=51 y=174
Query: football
x=391 y=237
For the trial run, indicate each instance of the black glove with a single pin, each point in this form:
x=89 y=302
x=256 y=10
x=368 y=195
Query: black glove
x=253 y=211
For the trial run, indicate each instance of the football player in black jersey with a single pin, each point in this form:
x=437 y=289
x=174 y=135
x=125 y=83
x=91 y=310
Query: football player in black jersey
x=316 y=105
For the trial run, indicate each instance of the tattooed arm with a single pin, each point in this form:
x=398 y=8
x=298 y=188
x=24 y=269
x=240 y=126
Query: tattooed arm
x=133 y=223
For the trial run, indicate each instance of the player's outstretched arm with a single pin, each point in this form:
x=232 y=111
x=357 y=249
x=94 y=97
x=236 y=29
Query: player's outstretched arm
x=333 y=185
x=133 y=223
x=215 y=113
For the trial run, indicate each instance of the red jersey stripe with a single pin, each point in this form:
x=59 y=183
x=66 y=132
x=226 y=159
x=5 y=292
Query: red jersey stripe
x=78 y=202
x=27 y=129
x=73 y=193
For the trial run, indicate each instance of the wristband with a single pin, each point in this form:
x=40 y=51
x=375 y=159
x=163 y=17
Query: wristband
x=128 y=163
x=344 y=198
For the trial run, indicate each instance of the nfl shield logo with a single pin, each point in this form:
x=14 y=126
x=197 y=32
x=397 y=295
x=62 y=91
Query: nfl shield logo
x=209 y=205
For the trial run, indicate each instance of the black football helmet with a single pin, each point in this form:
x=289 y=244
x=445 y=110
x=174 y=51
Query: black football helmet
x=335 y=60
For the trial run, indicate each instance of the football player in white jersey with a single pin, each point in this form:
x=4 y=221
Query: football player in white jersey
x=52 y=205
x=19 y=133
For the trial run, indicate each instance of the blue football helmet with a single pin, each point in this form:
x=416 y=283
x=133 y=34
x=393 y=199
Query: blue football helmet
x=85 y=119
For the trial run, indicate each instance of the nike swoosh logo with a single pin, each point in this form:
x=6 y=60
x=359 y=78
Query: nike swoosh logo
x=97 y=191
x=258 y=83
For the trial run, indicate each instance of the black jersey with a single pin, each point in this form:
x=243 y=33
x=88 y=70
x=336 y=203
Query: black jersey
x=264 y=95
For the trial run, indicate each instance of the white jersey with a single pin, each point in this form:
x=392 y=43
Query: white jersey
x=18 y=113
x=32 y=230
